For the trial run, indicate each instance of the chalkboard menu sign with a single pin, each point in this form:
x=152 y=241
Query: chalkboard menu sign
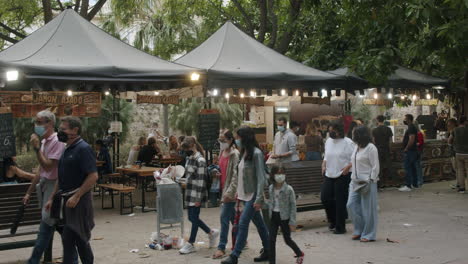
x=208 y=128
x=7 y=136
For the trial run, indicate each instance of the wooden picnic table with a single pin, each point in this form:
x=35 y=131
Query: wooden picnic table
x=165 y=162
x=142 y=174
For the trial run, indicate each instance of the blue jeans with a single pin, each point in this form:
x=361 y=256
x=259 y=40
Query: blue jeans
x=46 y=232
x=228 y=213
x=363 y=211
x=419 y=170
x=411 y=167
x=194 y=217
x=313 y=155
x=250 y=214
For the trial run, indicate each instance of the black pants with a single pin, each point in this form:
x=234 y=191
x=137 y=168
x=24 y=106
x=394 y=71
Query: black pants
x=334 y=196
x=276 y=223
x=72 y=241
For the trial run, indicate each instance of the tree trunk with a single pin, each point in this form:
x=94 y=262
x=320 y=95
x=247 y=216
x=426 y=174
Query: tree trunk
x=287 y=36
x=263 y=20
x=77 y=5
x=97 y=7
x=248 y=20
x=84 y=8
x=274 y=23
x=47 y=6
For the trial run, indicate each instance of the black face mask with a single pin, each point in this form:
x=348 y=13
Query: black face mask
x=189 y=153
x=333 y=134
x=62 y=136
x=404 y=122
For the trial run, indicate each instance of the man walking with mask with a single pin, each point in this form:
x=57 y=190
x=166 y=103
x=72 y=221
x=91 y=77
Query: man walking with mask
x=284 y=149
x=77 y=174
x=48 y=151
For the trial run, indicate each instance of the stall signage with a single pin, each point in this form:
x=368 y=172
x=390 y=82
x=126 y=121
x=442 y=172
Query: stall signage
x=260 y=101
x=315 y=100
x=427 y=102
x=7 y=136
x=155 y=99
x=208 y=128
x=385 y=102
x=28 y=104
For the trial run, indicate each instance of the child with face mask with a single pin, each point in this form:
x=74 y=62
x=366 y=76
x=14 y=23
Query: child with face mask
x=282 y=207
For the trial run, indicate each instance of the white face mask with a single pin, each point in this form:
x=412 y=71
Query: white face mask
x=279 y=178
x=224 y=146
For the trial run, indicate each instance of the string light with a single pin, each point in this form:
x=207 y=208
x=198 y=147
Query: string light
x=324 y=93
x=70 y=93
x=414 y=97
x=215 y=92
x=195 y=76
x=242 y=95
x=106 y=93
x=428 y=96
x=283 y=92
x=390 y=95
x=376 y=96
x=297 y=92
x=226 y=95
x=253 y=93
x=156 y=93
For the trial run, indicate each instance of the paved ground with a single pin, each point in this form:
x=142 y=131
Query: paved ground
x=429 y=225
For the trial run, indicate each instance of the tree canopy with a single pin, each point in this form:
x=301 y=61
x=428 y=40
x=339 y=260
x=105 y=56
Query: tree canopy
x=368 y=36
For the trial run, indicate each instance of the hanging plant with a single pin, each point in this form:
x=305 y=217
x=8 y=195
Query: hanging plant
x=402 y=102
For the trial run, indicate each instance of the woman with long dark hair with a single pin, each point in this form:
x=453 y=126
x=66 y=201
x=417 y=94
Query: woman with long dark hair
x=336 y=168
x=362 y=201
x=195 y=192
x=250 y=188
x=228 y=160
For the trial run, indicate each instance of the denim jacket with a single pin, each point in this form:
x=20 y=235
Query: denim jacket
x=287 y=203
x=254 y=175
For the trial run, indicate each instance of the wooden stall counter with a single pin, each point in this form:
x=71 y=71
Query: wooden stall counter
x=436 y=163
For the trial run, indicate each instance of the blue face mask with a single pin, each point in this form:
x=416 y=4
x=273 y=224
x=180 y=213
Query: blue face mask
x=39 y=130
x=281 y=128
x=238 y=143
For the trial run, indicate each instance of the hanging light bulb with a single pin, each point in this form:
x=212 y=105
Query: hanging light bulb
x=70 y=93
x=324 y=93
x=195 y=76
x=283 y=92
x=242 y=95
x=253 y=93
x=106 y=93
x=297 y=92
x=376 y=96
x=414 y=97
x=390 y=95
x=215 y=92
x=156 y=93
x=428 y=96
x=226 y=95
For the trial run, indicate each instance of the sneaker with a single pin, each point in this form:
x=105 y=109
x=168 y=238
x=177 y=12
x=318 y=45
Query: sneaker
x=454 y=186
x=213 y=236
x=331 y=227
x=187 y=249
x=405 y=189
x=461 y=190
x=300 y=259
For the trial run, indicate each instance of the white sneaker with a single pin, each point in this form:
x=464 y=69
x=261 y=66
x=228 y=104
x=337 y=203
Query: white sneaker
x=213 y=236
x=187 y=249
x=405 y=189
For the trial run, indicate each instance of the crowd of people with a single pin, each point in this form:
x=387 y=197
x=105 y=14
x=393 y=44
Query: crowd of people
x=352 y=162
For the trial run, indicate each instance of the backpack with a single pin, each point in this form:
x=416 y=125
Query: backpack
x=420 y=140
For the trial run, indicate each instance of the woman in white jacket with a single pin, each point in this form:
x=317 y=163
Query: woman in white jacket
x=362 y=201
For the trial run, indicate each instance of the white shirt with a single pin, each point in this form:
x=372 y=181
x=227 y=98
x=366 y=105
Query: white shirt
x=338 y=154
x=284 y=143
x=241 y=195
x=366 y=163
x=276 y=207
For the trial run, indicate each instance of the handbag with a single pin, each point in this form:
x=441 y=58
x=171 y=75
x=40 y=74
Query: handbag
x=359 y=185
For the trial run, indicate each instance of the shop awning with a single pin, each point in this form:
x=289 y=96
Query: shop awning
x=233 y=59
x=354 y=81
x=71 y=48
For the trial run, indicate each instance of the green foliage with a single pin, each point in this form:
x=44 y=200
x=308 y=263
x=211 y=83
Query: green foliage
x=27 y=161
x=360 y=110
x=184 y=116
x=23 y=127
x=96 y=127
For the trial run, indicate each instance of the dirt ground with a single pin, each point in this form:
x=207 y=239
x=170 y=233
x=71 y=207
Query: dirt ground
x=428 y=226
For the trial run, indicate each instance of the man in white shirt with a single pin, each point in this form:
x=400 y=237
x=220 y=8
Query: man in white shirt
x=284 y=149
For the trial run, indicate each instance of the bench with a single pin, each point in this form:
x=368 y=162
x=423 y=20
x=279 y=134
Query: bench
x=124 y=191
x=11 y=196
x=306 y=179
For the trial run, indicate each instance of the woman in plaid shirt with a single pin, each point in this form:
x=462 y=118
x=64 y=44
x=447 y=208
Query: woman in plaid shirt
x=195 y=192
